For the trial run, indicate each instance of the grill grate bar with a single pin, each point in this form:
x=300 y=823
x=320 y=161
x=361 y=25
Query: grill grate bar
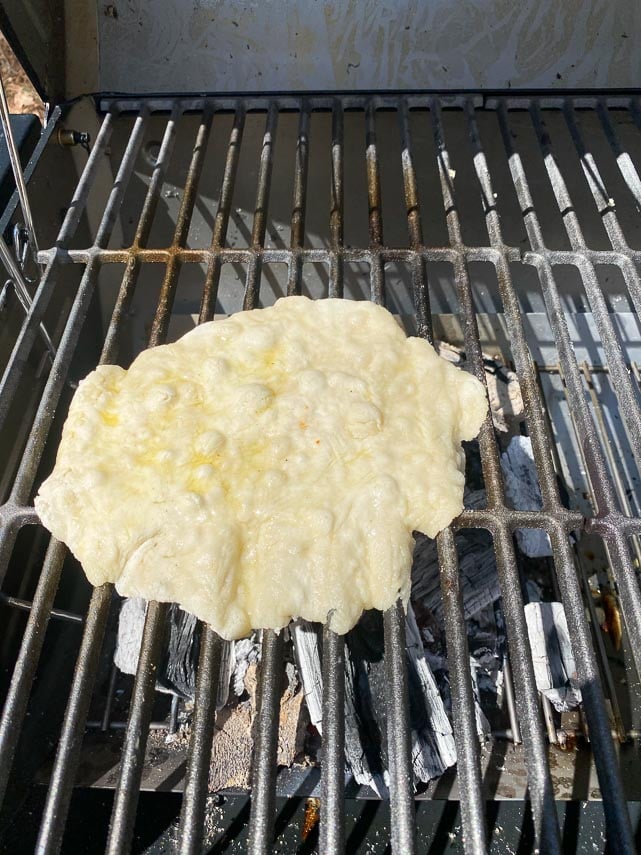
x=123 y=815
x=337 y=202
x=383 y=254
x=468 y=761
x=160 y=324
x=465 y=735
x=27 y=662
x=143 y=230
x=398 y=729
x=626 y=167
x=605 y=758
x=332 y=822
x=259 y=226
x=29 y=331
x=607 y=509
x=133 y=751
x=583 y=576
x=415 y=229
x=197 y=779
x=542 y=797
x=27 y=606
x=374 y=205
x=196 y=784
x=398 y=733
x=565 y=568
x=602 y=199
x=68 y=753
x=301 y=168
x=627 y=392
x=221 y=222
x=610 y=523
x=261 y=821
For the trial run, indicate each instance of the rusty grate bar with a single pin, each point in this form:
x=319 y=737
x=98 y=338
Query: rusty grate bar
x=221 y=222
x=374 y=204
x=301 y=166
x=337 y=198
x=259 y=227
x=610 y=521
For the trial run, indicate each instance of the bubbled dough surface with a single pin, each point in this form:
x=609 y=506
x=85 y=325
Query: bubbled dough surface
x=267 y=466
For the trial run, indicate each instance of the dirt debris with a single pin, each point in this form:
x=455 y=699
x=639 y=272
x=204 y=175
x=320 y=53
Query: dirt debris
x=21 y=95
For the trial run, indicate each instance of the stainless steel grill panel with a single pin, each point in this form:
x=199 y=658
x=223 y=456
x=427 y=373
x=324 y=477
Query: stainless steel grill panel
x=612 y=520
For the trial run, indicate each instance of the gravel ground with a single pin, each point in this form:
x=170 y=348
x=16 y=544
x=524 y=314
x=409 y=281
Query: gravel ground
x=21 y=95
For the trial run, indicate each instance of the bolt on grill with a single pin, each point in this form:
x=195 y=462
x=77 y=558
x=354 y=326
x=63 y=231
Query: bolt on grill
x=612 y=519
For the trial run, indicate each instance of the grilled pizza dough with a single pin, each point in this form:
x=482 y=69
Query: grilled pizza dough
x=268 y=466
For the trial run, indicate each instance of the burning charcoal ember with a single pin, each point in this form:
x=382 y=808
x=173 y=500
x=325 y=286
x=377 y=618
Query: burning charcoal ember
x=481 y=608
x=366 y=750
x=179 y=661
x=181 y=646
x=523 y=492
x=433 y=748
x=476 y=562
x=554 y=667
x=306 y=639
x=365 y=701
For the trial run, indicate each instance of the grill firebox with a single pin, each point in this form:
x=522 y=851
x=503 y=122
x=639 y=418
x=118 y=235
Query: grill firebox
x=514 y=162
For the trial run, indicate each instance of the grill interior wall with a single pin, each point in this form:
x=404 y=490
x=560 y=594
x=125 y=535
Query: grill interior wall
x=512 y=227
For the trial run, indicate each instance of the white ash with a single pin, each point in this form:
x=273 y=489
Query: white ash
x=428 y=754
x=503 y=389
x=554 y=666
x=131 y=622
x=246 y=653
x=523 y=492
x=483 y=727
x=307 y=652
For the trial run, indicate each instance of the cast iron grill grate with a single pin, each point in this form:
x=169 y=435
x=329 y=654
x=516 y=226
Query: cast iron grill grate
x=616 y=525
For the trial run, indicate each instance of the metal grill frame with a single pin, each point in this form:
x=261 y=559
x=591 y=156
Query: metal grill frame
x=610 y=521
